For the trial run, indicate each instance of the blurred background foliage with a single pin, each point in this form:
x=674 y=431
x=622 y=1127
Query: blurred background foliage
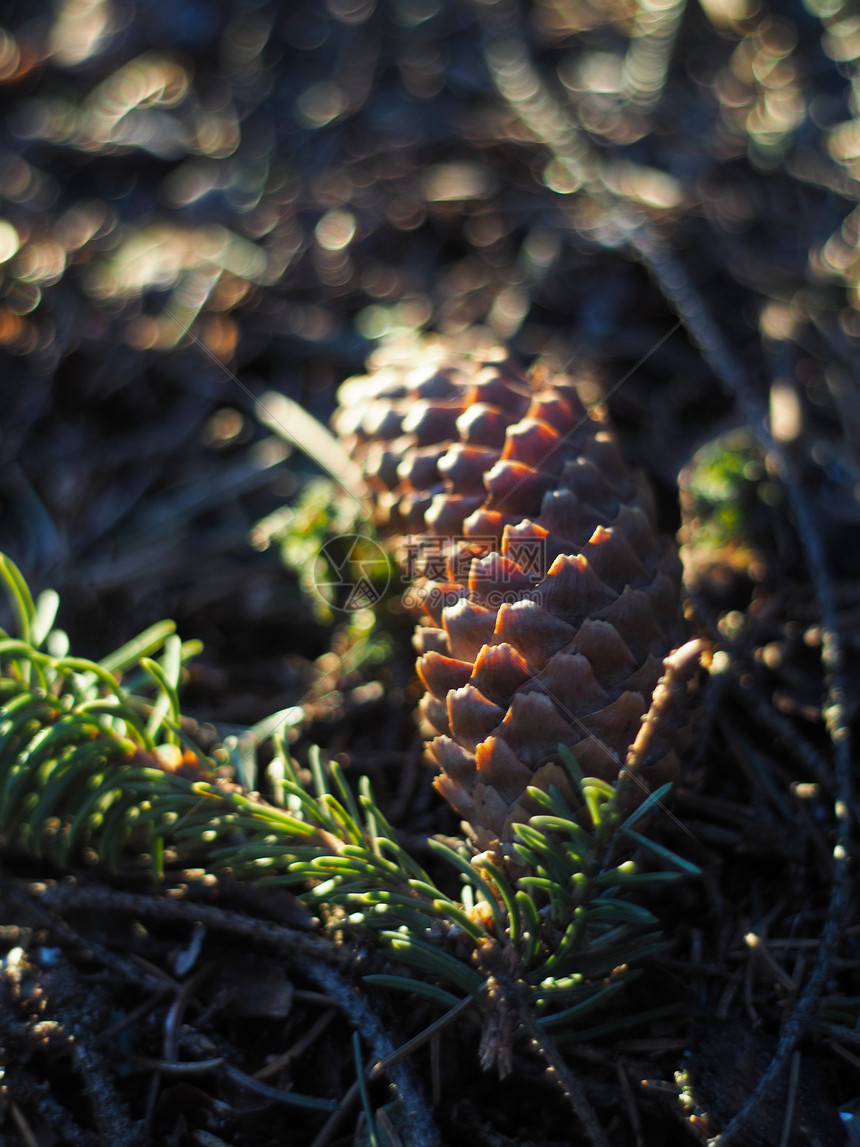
x=203 y=201
x=199 y=201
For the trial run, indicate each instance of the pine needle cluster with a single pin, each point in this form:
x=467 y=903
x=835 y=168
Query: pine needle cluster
x=97 y=764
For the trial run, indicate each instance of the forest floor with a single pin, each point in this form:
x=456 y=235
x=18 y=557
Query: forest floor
x=205 y=201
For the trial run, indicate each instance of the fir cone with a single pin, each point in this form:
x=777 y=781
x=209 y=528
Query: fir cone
x=549 y=599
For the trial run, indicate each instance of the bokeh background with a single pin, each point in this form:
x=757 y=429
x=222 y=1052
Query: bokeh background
x=202 y=201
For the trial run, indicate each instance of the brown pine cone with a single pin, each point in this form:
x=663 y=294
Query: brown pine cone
x=550 y=601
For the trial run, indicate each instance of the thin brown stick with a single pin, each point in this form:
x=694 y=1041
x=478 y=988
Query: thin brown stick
x=278 y=936
x=331 y=1125
x=630 y=1103
x=296 y=1049
x=790 y=1100
x=564 y=1076
x=176 y=1011
x=24 y=1128
x=133 y=1016
x=759 y=947
x=419 y=1040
